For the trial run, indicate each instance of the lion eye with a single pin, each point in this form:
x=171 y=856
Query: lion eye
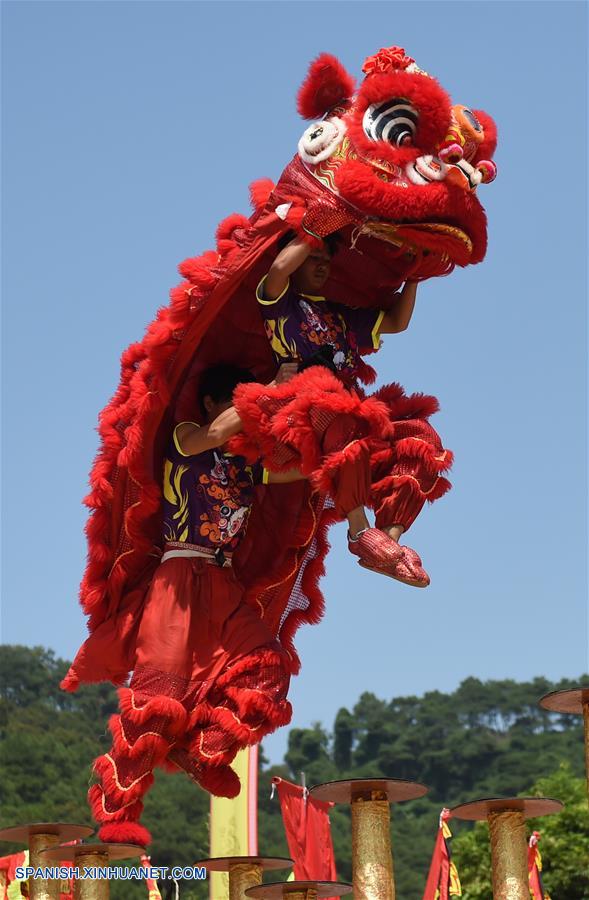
x=470 y=117
x=321 y=139
x=394 y=121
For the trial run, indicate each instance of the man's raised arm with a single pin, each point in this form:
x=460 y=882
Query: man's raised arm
x=398 y=317
x=288 y=261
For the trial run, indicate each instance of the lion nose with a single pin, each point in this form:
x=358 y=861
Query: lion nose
x=465 y=176
x=461 y=174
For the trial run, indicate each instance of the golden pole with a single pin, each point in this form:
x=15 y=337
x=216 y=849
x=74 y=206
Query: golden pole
x=241 y=877
x=42 y=888
x=307 y=894
x=91 y=888
x=372 y=858
x=506 y=817
x=509 y=855
x=370 y=799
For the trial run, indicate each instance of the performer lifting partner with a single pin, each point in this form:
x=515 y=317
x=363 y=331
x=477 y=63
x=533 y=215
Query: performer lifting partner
x=383 y=444
x=209 y=677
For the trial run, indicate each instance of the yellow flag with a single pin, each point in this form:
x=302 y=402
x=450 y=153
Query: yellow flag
x=234 y=823
x=14 y=892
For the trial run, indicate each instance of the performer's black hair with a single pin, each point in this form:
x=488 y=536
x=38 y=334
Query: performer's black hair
x=332 y=241
x=218 y=382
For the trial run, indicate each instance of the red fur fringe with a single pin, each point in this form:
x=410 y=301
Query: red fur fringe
x=260 y=191
x=122 y=797
x=253 y=662
x=197 y=270
x=406 y=406
x=392 y=483
x=239 y=733
x=105 y=768
x=251 y=703
x=252 y=715
x=201 y=716
x=285 y=415
x=221 y=781
x=155 y=706
x=441 y=487
x=130 y=811
x=125 y=833
x=227 y=228
x=327 y=84
x=147 y=744
x=435 y=460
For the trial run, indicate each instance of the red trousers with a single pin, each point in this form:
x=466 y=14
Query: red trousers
x=378 y=451
x=209 y=679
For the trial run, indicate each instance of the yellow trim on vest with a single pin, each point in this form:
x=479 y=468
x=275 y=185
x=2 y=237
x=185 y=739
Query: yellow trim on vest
x=176 y=442
x=265 y=476
x=260 y=293
x=376 y=330
x=315 y=297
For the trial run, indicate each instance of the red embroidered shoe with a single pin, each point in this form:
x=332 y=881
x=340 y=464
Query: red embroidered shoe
x=408 y=569
x=375 y=548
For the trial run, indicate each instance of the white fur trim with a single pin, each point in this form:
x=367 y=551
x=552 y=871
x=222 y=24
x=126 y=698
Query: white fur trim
x=282 y=210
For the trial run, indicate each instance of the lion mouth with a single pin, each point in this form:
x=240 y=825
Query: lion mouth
x=423 y=202
x=430 y=235
x=428 y=203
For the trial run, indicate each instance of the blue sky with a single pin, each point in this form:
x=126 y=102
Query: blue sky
x=130 y=130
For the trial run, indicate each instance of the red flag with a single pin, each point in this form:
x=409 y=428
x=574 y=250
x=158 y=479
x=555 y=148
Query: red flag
x=535 y=869
x=443 y=881
x=8 y=866
x=308 y=832
x=153 y=891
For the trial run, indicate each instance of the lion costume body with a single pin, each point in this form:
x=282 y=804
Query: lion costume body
x=391 y=166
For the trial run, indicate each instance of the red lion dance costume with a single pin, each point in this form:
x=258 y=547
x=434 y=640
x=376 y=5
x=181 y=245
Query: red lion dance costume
x=393 y=168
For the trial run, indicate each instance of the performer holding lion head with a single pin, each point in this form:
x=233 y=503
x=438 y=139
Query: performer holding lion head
x=200 y=608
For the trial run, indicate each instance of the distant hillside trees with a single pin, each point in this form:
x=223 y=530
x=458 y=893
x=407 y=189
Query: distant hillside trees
x=485 y=739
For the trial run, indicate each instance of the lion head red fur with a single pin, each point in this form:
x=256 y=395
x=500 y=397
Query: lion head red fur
x=397 y=156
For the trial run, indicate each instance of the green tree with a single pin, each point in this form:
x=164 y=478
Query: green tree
x=49 y=740
x=343 y=729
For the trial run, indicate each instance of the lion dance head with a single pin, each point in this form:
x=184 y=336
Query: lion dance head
x=392 y=160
